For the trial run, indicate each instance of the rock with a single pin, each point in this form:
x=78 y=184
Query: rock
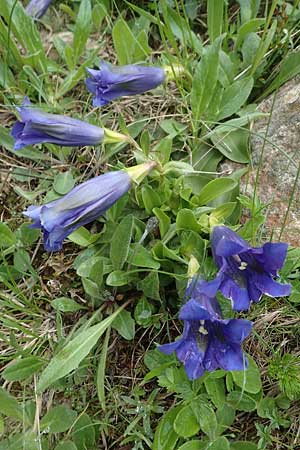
x=279 y=151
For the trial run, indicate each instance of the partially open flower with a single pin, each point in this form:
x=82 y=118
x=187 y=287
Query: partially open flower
x=208 y=341
x=246 y=273
x=83 y=204
x=37 y=127
x=110 y=82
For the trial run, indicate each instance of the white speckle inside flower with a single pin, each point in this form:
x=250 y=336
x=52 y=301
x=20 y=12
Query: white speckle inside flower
x=243 y=265
x=202 y=330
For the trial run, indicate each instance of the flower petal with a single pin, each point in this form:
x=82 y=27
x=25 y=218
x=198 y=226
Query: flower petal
x=169 y=348
x=231 y=357
x=268 y=286
x=236 y=330
x=274 y=255
x=238 y=295
x=226 y=242
x=192 y=310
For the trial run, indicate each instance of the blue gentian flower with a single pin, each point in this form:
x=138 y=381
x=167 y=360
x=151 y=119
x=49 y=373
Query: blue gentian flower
x=111 y=82
x=83 y=204
x=37 y=8
x=208 y=342
x=37 y=126
x=246 y=273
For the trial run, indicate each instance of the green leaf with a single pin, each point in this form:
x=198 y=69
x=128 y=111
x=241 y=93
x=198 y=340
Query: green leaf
x=289 y=68
x=194 y=445
x=100 y=377
x=163 y=149
x=234 y=97
x=69 y=358
x=249 y=380
x=139 y=256
x=186 y=220
x=63 y=182
x=92 y=268
x=264 y=46
x=59 y=419
x=248 y=27
x=27 y=235
x=83 y=237
x=82 y=28
x=9 y=406
x=120 y=278
x=223 y=211
x=215 y=188
x=249 y=9
x=143 y=312
x=220 y=444
x=66 y=445
x=266 y=407
x=164 y=221
x=99 y=13
x=150 y=198
x=84 y=433
x=23 y=368
x=121 y=239
x=215 y=13
x=225 y=418
x=24 y=29
x=165 y=436
x=141 y=48
x=128 y=47
x=7 y=237
x=233 y=143
x=180 y=27
x=186 y=423
x=65 y=304
x=241 y=401
x=91 y=288
x=22 y=262
x=206 y=417
x=216 y=391
x=125 y=325
x=205 y=80
x=150 y=286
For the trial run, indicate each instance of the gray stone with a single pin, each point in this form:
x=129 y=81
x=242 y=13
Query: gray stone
x=275 y=141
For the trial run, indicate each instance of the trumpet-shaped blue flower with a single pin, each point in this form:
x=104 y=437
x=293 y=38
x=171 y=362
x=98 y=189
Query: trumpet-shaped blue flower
x=111 y=82
x=37 y=126
x=37 y=8
x=208 y=342
x=246 y=273
x=83 y=204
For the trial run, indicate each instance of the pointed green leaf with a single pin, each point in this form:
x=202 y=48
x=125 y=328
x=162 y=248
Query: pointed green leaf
x=74 y=352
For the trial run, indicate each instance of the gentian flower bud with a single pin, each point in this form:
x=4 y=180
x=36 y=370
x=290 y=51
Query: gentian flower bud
x=111 y=82
x=83 y=204
x=246 y=273
x=208 y=341
x=37 y=127
x=37 y=8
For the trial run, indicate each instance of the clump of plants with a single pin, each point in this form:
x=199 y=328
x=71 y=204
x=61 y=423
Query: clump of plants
x=134 y=231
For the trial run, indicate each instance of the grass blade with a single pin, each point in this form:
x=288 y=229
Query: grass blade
x=75 y=351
